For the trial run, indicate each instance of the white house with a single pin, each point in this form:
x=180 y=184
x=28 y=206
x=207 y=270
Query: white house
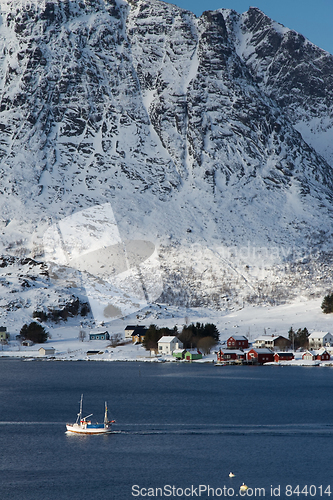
x=320 y=339
x=168 y=343
x=46 y=351
x=129 y=330
x=272 y=342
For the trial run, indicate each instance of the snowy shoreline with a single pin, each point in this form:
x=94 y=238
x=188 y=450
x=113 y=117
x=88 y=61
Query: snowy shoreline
x=248 y=321
x=111 y=357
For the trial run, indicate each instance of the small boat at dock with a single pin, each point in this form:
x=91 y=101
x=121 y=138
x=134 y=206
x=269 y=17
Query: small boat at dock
x=85 y=426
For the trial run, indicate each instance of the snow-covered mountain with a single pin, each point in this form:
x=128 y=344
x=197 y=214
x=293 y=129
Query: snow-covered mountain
x=208 y=137
x=290 y=69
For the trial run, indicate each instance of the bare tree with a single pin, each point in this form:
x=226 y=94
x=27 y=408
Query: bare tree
x=115 y=339
x=82 y=334
x=205 y=344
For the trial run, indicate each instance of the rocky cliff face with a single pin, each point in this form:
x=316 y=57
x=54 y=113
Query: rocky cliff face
x=207 y=136
x=290 y=69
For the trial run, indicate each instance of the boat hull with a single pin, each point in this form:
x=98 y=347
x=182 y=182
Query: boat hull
x=78 y=429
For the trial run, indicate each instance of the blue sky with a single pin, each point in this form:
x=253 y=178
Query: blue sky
x=312 y=18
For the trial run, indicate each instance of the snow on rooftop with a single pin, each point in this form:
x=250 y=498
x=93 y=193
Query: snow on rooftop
x=317 y=335
x=167 y=338
x=262 y=350
x=266 y=338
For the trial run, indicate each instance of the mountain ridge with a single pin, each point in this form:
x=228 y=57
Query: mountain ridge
x=302 y=85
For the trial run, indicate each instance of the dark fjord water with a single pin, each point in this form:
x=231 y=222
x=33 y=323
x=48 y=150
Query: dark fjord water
x=180 y=425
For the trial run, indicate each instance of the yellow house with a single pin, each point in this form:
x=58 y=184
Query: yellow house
x=139 y=334
x=3 y=333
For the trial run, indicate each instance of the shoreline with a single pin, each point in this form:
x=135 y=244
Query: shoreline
x=210 y=361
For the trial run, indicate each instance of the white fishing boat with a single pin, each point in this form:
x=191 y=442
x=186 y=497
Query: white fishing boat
x=85 y=426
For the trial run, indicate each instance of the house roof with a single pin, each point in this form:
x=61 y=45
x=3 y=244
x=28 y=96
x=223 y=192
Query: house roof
x=135 y=328
x=285 y=353
x=266 y=338
x=167 y=339
x=238 y=337
x=319 y=351
x=232 y=351
x=317 y=335
x=315 y=352
x=262 y=350
x=140 y=330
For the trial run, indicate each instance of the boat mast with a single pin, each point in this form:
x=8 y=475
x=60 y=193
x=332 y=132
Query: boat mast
x=79 y=415
x=106 y=421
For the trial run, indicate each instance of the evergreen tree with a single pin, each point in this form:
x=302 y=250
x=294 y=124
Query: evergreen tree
x=186 y=336
x=291 y=336
x=35 y=332
x=210 y=330
x=327 y=304
x=302 y=337
x=299 y=338
x=152 y=336
x=193 y=333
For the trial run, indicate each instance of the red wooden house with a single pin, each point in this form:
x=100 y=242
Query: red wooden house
x=283 y=356
x=321 y=355
x=260 y=356
x=230 y=355
x=237 y=342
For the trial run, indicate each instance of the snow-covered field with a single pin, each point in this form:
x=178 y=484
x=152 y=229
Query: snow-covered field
x=249 y=321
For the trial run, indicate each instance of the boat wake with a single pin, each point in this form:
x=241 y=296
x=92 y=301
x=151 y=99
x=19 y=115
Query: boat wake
x=231 y=430
x=203 y=429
